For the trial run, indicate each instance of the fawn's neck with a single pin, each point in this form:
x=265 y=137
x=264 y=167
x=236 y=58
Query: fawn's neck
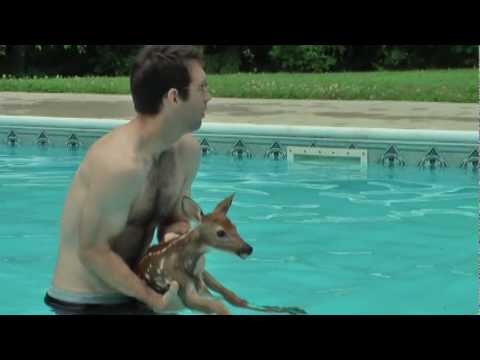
x=194 y=246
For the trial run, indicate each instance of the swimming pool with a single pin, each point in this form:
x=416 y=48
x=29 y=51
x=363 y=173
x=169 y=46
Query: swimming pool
x=399 y=240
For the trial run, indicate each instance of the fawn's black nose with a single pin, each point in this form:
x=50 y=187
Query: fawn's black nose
x=245 y=252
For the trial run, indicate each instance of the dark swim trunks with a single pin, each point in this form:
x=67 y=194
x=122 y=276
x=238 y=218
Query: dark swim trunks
x=63 y=306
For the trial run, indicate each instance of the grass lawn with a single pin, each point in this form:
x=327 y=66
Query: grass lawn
x=459 y=85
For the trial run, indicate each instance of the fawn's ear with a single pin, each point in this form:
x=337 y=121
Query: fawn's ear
x=224 y=205
x=191 y=209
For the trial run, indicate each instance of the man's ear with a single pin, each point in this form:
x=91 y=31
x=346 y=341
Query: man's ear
x=172 y=95
x=191 y=209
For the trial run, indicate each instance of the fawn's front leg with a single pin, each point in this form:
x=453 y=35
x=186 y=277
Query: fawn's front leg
x=230 y=296
x=194 y=300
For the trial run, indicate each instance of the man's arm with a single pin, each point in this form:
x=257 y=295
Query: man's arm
x=189 y=150
x=104 y=217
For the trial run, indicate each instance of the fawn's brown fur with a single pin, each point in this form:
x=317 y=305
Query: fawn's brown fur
x=182 y=259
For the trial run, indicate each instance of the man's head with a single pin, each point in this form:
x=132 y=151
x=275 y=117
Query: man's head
x=169 y=74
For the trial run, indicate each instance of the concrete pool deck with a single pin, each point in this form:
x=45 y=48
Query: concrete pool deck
x=330 y=113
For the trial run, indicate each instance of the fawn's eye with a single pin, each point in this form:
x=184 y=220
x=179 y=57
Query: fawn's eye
x=221 y=233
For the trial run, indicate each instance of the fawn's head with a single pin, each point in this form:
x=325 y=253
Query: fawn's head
x=215 y=229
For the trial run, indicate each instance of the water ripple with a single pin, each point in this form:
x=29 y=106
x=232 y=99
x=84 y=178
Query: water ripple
x=343 y=253
x=380 y=275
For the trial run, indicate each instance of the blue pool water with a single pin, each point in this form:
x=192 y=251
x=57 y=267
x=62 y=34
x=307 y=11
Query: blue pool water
x=396 y=241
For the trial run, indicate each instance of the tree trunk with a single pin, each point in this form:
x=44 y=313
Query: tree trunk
x=16 y=63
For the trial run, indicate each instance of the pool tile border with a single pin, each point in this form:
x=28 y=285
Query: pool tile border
x=433 y=149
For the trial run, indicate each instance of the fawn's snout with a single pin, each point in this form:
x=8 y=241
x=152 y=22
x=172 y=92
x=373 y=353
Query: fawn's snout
x=245 y=252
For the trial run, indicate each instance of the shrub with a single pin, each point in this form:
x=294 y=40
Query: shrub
x=307 y=58
x=224 y=62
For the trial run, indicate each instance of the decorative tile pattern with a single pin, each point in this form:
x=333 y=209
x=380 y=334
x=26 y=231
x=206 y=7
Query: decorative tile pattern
x=12 y=139
x=240 y=151
x=472 y=160
x=433 y=160
x=272 y=146
x=42 y=139
x=275 y=152
x=392 y=158
x=73 y=142
x=206 y=148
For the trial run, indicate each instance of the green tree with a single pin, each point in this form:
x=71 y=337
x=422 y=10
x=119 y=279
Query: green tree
x=16 y=56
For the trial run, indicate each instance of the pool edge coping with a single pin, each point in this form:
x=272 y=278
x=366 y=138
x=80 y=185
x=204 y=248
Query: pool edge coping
x=390 y=134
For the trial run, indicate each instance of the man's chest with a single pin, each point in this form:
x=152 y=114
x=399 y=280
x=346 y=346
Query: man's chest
x=159 y=194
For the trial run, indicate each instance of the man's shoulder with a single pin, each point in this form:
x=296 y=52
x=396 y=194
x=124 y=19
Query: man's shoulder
x=189 y=145
x=189 y=142
x=107 y=160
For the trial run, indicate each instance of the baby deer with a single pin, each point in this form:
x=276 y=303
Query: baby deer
x=182 y=260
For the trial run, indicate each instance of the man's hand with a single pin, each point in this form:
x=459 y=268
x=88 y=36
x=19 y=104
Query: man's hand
x=180 y=227
x=161 y=303
x=175 y=230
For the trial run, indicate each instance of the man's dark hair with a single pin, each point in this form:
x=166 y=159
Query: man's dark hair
x=156 y=70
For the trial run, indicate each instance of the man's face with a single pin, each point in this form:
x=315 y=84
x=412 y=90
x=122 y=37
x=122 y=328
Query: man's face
x=194 y=109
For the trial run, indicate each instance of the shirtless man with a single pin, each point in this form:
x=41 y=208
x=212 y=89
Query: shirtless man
x=129 y=184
